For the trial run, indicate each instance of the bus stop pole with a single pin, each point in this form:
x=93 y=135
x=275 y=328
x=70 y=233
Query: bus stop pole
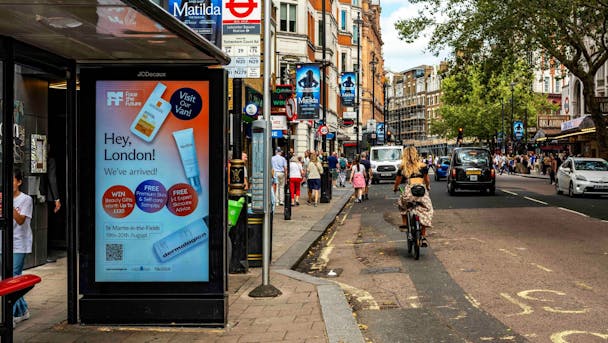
x=266 y=289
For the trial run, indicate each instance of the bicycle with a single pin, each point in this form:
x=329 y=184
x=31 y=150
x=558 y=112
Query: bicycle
x=413 y=227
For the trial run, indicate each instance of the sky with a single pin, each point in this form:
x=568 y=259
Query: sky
x=399 y=56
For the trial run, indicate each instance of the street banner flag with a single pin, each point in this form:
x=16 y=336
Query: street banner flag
x=308 y=90
x=518 y=129
x=348 y=88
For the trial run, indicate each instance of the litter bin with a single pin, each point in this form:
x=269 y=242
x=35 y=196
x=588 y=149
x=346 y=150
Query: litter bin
x=255 y=223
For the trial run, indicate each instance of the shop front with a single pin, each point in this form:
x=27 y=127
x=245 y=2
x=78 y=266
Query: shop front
x=100 y=104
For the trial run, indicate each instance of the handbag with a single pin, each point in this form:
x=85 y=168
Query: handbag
x=417 y=190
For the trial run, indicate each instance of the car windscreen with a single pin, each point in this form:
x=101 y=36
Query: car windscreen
x=386 y=155
x=473 y=158
x=591 y=165
x=444 y=161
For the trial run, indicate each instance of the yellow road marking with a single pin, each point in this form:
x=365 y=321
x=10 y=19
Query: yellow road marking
x=560 y=337
x=508 y=252
x=472 y=300
x=541 y=267
x=583 y=285
x=526 y=294
x=525 y=308
x=559 y=310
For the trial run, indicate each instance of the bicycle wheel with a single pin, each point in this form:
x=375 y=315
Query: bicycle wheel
x=417 y=240
x=410 y=241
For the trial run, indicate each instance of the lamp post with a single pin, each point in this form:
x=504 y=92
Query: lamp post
x=358 y=128
x=385 y=113
x=373 y=63
x=502 y=133
x=512 y=104
x=325 y=178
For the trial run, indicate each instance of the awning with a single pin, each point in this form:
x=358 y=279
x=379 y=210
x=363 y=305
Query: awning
x=106 y=31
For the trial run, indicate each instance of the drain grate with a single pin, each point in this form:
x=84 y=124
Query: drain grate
x=381 y=270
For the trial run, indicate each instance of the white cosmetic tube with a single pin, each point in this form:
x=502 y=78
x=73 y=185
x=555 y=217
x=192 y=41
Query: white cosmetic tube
x=187 y=151
x=181 y=240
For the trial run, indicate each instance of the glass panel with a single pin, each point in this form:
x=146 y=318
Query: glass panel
x=292 y=18
x=283 y=17
x=39 y=96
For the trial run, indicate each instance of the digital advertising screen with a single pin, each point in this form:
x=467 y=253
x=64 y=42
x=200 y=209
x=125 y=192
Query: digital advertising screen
x=151 y=181
x=308 y=90
x=348 y=88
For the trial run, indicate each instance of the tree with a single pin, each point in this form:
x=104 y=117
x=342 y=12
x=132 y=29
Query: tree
x=477 y=96
x=572 y=31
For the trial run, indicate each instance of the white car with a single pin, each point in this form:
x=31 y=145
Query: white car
x=582 y=176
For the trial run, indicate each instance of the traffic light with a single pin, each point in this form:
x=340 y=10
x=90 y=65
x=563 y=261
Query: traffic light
x=460 y=132
x=388 y=136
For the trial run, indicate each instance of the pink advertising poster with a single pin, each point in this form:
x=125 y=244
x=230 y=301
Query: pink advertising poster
x=152 y=181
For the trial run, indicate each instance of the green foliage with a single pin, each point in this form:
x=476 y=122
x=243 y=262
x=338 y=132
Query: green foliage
x=486 y=33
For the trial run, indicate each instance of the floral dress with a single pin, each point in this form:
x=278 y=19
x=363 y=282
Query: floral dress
x=425 y=210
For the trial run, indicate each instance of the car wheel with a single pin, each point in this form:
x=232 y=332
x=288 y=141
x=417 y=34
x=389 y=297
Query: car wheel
x=571 y=190
x=451 y=188
x=557 y=189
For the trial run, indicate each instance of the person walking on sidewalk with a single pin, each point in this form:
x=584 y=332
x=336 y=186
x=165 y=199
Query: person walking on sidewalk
x=313 y=174
x=22 y=239
x=368 y=174
x=552 y=168
x=295 y=179
x=279 y=166
x=342 y=163
x=332 y=162
x=357 y=178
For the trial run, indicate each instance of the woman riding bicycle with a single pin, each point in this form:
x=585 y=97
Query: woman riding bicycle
x=413 y=171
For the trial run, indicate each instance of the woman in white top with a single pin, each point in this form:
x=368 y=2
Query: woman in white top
x=296 y=172
x=22 y=239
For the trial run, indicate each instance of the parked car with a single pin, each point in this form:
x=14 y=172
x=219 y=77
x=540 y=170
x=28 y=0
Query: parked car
x=582 y=176
x=385 y=160
x=442 y=167
x=471 y=168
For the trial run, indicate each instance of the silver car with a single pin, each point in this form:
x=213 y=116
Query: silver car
x=582 y=176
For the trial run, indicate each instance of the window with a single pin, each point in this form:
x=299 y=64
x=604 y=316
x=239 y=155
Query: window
x=356 y=2
x=320 y=31
x=343 y=20
x=547 y=84
x=288 y=17
x=558 y=86
x=355 y=34
x=343 y=61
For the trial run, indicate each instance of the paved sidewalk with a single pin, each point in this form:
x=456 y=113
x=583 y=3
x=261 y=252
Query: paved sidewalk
x=309 y=309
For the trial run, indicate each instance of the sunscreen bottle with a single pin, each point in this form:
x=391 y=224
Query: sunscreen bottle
x=152 y=115
x=184 y=139
x=182 y=240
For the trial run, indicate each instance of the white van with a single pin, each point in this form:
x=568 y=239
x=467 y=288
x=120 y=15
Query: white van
x=385 y=160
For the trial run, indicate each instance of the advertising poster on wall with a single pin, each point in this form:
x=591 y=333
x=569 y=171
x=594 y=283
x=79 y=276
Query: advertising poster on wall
x=151 y=181
x=348 y=88
x=308 y=90
x=202 y=16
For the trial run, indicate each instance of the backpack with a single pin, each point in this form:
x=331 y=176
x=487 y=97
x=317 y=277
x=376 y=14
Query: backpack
x=342 y=162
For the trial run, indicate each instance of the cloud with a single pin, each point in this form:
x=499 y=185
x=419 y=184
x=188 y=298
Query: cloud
x=398 y=55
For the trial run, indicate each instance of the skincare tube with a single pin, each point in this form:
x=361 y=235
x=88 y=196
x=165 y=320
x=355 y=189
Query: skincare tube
x=182 y=240
x=152 y=115
x=187 y=151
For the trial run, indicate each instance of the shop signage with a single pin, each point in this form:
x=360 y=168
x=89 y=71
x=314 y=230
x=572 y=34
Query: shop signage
x=308 y=90
x=278 y=122
x=348 y=88
x=551 y=122
x=202 y=16
x=254 y=97
x=277 y=134
x=349 y=115
x=572 y=124
x=151 y=181
x=280 y=95
x=603 y=102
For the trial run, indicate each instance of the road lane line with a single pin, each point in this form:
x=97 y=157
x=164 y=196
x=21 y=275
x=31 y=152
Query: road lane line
x=573 y=211
x=508 y=252
x=541 y=267
x=472 y=300
x=538 y=201
x=509 y=192
x=583 y=285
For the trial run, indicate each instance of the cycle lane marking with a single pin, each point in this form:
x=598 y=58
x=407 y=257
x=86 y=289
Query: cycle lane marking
x=573 y=211
x=509 y=192
x=536 y=200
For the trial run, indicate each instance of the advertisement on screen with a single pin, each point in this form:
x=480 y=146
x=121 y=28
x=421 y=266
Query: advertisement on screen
x=348 y=89
x=308 y=90
x=151 y=181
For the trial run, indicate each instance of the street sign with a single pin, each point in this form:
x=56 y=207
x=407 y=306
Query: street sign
x=290 y=109
x=323 y=130
x=251 y=109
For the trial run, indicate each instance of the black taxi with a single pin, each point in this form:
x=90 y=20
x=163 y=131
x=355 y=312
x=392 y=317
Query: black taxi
x=471 y=168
